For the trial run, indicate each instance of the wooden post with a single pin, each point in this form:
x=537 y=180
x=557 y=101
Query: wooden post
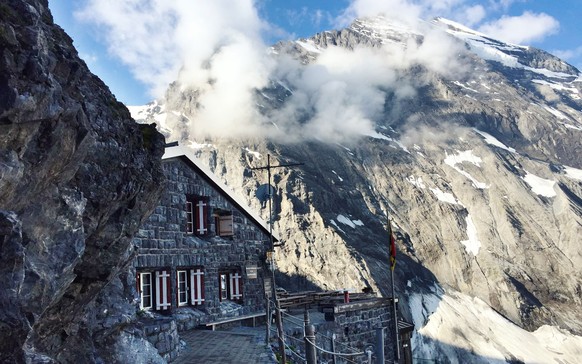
x=268 y=317
x=280 y=331
x=310 y=352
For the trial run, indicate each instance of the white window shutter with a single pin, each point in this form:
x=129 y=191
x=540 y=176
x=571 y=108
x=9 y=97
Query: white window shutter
x=196 y=286
x=235 y=286
x=162 y=290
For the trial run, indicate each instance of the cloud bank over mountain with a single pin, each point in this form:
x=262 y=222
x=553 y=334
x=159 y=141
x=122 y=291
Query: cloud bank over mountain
x=217 y=50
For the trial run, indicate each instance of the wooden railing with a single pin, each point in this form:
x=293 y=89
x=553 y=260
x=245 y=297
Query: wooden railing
x=312 y=298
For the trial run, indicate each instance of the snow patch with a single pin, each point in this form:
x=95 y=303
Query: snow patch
x=573 y=173
x=337 y=227
x=465 y=87
x=284 y=86
x=337 y=175
x=256 y=154
x=557 y=86
x=540 y=186
x=308 y=45
x=344 y=220
x=490 y=139
x=445 y=196
x=416 y=181
x=194 y=145
x=466 y=156
x=555 y=112
x=377 y=135
x=472 y=245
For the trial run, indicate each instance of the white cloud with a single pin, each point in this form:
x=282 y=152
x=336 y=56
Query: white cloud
x=214 y=47
x=157 y=38
x=568 y=54
x=472 y=15
x=503 y=4
x=341 y=94
x=404 y=10
x=410 y=11
x=336 y=97
x=523 y=29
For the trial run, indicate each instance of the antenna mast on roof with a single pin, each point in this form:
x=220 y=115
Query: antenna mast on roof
x=268 y=167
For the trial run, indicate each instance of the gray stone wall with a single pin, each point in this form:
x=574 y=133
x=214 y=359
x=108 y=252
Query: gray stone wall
x=354 y=326
x=163 y=334
x=357 y=328
x=163 y=243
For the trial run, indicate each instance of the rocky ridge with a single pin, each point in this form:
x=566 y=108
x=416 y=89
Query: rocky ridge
x=480 y=171
x=77 y=176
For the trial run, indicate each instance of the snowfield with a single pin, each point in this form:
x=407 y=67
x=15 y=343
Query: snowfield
x=474 y=332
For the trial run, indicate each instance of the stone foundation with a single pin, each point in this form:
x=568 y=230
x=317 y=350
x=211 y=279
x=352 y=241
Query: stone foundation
x=163 y=334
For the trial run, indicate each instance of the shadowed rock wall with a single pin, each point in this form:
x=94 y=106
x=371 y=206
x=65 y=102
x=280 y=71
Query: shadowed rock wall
x=77 y=176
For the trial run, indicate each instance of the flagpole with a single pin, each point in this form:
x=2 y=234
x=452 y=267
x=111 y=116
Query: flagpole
x=395 y=318
x=392 y=264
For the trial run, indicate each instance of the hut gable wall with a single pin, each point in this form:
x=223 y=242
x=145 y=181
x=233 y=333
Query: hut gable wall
x=163 y=242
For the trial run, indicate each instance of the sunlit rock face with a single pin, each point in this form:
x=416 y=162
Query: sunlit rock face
x=471 y=145
x=77 y=176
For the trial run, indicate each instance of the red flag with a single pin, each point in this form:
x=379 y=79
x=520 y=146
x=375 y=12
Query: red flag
x=392 y=246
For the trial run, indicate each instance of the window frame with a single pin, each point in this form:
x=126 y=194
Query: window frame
x=223 y=286
x=141 y=290
x=182 y=287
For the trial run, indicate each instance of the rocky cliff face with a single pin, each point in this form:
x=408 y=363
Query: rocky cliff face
x=77 y=176
x=479 y=167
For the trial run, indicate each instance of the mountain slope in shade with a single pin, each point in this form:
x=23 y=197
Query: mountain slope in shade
x=476 y=156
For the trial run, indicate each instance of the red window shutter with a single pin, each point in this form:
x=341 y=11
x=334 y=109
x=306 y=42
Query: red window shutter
x=138 y=283
x=163 y=290
x=202 y=288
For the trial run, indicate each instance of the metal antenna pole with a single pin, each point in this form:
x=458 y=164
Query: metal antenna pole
x=394 y=298
x=272 y=260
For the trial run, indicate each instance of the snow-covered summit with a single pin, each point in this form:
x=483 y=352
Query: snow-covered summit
x=510 y=55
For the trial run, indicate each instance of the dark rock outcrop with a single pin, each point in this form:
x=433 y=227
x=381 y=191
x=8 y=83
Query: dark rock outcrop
x=77 y=176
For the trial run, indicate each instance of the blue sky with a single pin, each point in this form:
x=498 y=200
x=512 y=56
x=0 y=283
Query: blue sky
x=132 y=48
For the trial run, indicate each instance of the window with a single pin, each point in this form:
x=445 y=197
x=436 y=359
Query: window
x=223 y=284
x=155 y=290
x=182 y=287
x=196 y=215
x=145 y=290
x=230 y=285
x=190 y=284
x=223 y=222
